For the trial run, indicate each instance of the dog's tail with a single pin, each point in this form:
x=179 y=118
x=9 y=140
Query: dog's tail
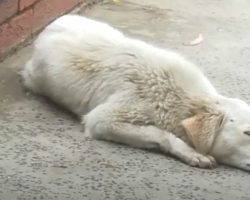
x=27 y=75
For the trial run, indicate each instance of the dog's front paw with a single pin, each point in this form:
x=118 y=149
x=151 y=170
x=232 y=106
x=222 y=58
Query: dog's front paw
x=199 y=160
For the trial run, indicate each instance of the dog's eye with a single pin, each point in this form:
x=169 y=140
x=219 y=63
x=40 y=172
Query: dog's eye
x=247 y=132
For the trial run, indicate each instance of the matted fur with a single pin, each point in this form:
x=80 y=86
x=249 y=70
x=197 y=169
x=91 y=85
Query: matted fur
x=131 y=92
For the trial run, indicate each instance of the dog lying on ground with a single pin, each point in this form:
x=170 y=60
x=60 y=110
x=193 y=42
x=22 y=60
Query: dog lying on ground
x=130 y=92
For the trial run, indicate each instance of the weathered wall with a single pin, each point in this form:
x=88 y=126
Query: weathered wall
x=20 y=19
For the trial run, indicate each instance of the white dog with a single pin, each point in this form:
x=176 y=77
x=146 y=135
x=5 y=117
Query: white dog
x=130 y=92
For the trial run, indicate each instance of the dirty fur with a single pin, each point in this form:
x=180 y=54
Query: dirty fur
x=128 y=91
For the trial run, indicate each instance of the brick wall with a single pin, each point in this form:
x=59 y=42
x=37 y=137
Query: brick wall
x=20 y=19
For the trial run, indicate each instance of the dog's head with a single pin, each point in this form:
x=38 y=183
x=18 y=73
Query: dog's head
x=232 y=145
x=224 y=136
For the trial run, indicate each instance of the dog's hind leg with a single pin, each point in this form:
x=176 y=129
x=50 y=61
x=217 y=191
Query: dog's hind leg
x=110 y=122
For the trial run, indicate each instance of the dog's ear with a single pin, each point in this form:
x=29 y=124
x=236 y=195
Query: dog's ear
x=202 y=129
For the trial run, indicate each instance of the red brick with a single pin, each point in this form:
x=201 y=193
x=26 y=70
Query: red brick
x=15 y=31
x=30 y=21
x=7 y=9
x=47 y=10
x=26 y=3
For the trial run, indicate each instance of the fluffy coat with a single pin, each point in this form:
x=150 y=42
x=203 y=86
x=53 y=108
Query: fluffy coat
x=126 y=90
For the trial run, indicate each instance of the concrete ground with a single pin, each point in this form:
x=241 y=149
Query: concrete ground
x=44 y=153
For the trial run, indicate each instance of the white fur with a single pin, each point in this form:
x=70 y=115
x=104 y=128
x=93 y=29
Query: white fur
x=95 y=71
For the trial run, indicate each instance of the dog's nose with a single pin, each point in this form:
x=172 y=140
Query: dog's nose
x=247 y=132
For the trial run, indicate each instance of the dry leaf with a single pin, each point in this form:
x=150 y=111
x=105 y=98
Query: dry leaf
x=196 y=41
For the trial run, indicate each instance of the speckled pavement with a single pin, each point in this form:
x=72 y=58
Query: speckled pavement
x=44 y=153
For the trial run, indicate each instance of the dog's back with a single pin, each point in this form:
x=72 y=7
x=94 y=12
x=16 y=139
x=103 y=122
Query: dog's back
x=80 y=63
